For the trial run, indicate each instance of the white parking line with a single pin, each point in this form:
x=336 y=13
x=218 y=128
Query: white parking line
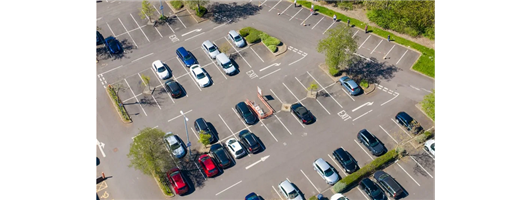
x=271 y=185
x=111 y=29
x=181 y=75
x=262 y=124
x=256 y=54
x=141 y=57
x=414 y=87
x=347 y=94
x=376 y=47
x=390 y=99
x=402 y=56
x=361 y=115
x=128 y=33
x=355 y=34
x=305 y=19
x=428 y=154
x=189 y=73
x=199 y=170
x=388 y=134
x=426 y=90
x=228 y=188
x=407 y=173
x=421 y=166
x=227 y=125
x=248 y=128
x=275 y=5
x=131 y=98
x=194 y=36
x=270 y=73
x=291 y=93
x=135 y=97
x=140 y=28
x=295 y=118
x=178 y=116
x=296 y=14
x=389 y=51
x=155 y=26
x=318 y=191
x=285 y=10
x=328 y=28
x=364 y=41
x=338 y=166
x=237 y=52
x=283 y=125
x=324 y=89
x=323 y=107
x=297 y=60
x=219 y=26
x=400 y=127
x=194 y=133
x=363 y=193
x=364 y=150
x=276 y=96
x=152 y=70
x=317 y=23
x=151 y=94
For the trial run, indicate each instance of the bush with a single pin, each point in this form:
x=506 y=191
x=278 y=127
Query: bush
x=201 y=11
x=176 y=4
x=204 y=138
x=264 y=36
x=253 y=37
x=123 y=113
x=345 y=5
x=161 y=179
x=273 y=48
x=272 y=41
x=313 y=198
x=333 y=71
x=364 y=84
x=245 y=31
x=365 y=171
x=421 y=138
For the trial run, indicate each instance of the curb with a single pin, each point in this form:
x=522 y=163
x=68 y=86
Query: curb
x=321 y=66
x=281 y=49
x=118 y=110
x=160 y=187
x=418 y=106
x=171 y=7
x=368 y=91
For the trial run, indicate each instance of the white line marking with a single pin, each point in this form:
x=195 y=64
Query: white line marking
x=274 y=64
x=364 y=41
x=228 y=188
x=296 y=14
x=110 y=29
x=324 y=88
x=402 y=56
x=226 y=125
x=151 y=95
x=421 y=166
x=98 y=18
x=376 y=47
x=428 y=154
x=131 y=97
x=317 y=23
x=141 y=28
x=297 y=120
x=389 y=100
x=178 y=116
x=135 y=96
x=338 y=166
x=196 y=30
x=283 y=125
x=361 y=115
x=389 y=51
x=367 y=103
x=100 y=148
x=318 y=191
x=261 y=3
x=200 y=170
x=301 y=83
x=194 y=36
x=130 y=31
x=192 y=16
x=268 y=130
x=426 y=90
x=271 y=185
x=296 y=60
x=276 y=96
x=141 y=57
x=363 y=193
x=269 y=73
x=257 y=54
x=182 y=75
x=284 y=10
x=355 y=34
x=241 y=120
x=219 y=26
x=189 y=73
x=414 y=87
x=238 y=52
x=305 y=19
x=194 y=133
x=291 y=92
x=181 y=21
x=155 y=27
x=275 y=5
x=152 y=70
x=400 y=127
x=111 y=70
x=328 y=28
x=127 y=32
x=407 y=173
x=323 y=107
x=388 y=134
x=364 y=150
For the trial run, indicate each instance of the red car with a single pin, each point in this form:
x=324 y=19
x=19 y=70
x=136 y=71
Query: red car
x=177 y=182
x=208 y=166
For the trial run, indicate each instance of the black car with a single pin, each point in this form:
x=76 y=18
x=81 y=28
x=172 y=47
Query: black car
x=174 y=88
x=371 y=142
x=245 y=112
x=99 y=38
x=302 y=113
x=388 y=183
x=113 y=45
x=201 y=125
x=408 y=122
x=220 y=155
x=372 y=190
x=250 y=141
x=345 y=160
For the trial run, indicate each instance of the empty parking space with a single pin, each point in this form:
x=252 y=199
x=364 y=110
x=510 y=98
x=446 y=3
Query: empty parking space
x=185 y=18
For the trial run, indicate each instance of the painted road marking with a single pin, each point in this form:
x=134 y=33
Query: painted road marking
x=101 y=145
x=227 y=125
x=297 y=120
x=111 y=29
x=262 y=159
x=241 y=120
x=262 y=124
x=271 y=185
x=344 y=115
x=296 y=14
x=317 y=23
x=134 y=29
x=363 y=193
x=337 y=164
x=285 y=10
x=328 y=28
x=318 y=191
x=402 y=56
x=376 y=47
x=283 y=125
x=141 y=58
x=297 y=60
x=364 y=41
x=275 y=5
x=428 y=154
x=414 y=87
x=181 y=21
x=426 y=90
x=361 y=115
x=258 y=55
x=237 y=52
x=306 y=19
x=388 y=134
x=140 y=28
x=194 y=36
x=400 y=127
x=365 y=104
x=228 y=188
x=391 y=99
x=128 y=32
x=389 y=51
x=178 y=116
x=195 y=134
x=355 y=34
x=196 y=30
x=270 y=73
x=274 y=64
x=291 y=92
x=407 y=173
x=324 y=89
x=276 y=96
x=323 y=107
x=151 y=94
x=251 y=74
x=421 y=166
x=364 y=150
x=165 y=23
x=135 y=97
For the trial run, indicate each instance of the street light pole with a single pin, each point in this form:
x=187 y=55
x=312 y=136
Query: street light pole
x=187 y=135
x=161 y=8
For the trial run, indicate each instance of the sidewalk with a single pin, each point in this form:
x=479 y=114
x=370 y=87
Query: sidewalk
x=360 y=14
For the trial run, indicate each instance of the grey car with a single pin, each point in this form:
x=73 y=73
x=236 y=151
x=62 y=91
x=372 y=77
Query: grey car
x=325 y=171
x=236 y=38
x=288 y=191
x=371 y=142
x=351 y=87
x=210 y=49
x=175 y=145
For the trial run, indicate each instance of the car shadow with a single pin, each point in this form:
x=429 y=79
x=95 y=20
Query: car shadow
x=262 y=149
x=301 y=193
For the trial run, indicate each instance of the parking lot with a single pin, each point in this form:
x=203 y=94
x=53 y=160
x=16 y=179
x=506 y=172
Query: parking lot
x=290 y=146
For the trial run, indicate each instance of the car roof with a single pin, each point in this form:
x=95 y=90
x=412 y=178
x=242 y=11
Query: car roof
x=341 y=153
x=287 y=186
x=233 y=33
x=222 y=58
x=405 y=116
x=242 y=106
x=172 y=139
x=215 y=146
x=158 y=63
x=197 y=70
x=201 y=123
x=182 y=51
x=322 y=164
x=207 y=43
x=208 y=161
x=368 y=183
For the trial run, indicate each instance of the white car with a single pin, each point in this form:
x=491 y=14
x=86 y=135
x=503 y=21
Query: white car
x=236 y=38
x=235 y=148
x=175 y=145
x=210 y=49
x=429 y=146
x=161 y=69
x=200 y=75
x=338 y=196
x=325 y=171
x=288 y=191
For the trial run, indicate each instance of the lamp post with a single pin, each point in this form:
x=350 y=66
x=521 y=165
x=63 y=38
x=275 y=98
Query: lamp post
x=161 y=8
x=187 y=135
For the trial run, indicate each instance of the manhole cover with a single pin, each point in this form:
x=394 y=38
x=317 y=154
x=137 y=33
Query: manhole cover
x=115 y=149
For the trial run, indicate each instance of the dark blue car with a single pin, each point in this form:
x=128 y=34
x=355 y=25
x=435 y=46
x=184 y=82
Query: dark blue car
x=99 y=38
x=113 y=45
x=252 y=196
x=186 y=57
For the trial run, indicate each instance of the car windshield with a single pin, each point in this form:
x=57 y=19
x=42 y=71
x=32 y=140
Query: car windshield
x=341 y=198
x=173 y=86
x=201 y=75
x=161 y=69
x=212 y=49
x=250 y=139
x=248 y=115
x=328 y=172
x=237 y=38
x=175 y=146
x=432 y=146
x=240 y=151
x=293 y=194
x=187 y=57
x=375 y=193
x=348 y=160
x=227 y=65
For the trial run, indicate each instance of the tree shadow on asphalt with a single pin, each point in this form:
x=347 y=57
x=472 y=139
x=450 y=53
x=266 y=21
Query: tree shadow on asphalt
x=190 y=168
x=370 y=70
x=103 y=54
x=230 y=12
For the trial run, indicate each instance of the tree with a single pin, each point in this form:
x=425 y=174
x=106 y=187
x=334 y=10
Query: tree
x=198 y=3
x=147 y=10
x=312 y=86
x=338 y=46
x=204 y=138
x=148 y=153
x=428 y=105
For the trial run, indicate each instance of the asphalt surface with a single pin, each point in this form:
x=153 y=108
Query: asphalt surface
x=290 y=147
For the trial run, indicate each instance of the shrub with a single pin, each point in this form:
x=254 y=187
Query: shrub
x=333 y=71
x=123 y=113
x=273 y=48
x=176 y=4
x=272 y=41
x=253 y=37
x=201 y=11
x=313 y=198
x=264 y=36
x=421 y=138
x=161 y=179
x=365 y=171
x=345 y=5
x=245 y=31
x=364 y=84
x=204 y=138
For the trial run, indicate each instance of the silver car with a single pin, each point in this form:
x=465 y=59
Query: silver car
x=175 y=145
x=325 y=171
x=288 y=190
x=236 y=38
x=210 y=49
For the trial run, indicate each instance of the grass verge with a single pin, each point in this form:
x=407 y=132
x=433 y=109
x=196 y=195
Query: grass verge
x=119 y=105
x=160 y=178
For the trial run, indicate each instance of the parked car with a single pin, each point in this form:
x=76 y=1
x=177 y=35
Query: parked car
x=371 y=142
x=338 y=196
x=252 y=196
x=161 y=69
x=175 y=145
x=208 y=166
x=201 y=125
x=210 y=49
x=389 y=184
x=289 y=191
x=250 y=141
x=351 y=87
x=219 y=153
x=346 y=160
x=178 y=183
x=408 y=122
x=236 y=38
x=186 y=57
x=245 y=112
x=429 y=146
x=235 y=148
x=113 y=45
x=372 y=190
x=99 y=38
x=174 y=88
x=200 y=75
x=226 y=65
x=302 y=113
x=325 y=171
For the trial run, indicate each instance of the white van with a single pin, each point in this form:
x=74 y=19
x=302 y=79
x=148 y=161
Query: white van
x=224 y=62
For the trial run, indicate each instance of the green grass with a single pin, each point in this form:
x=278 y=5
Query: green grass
x=364 y=83
x=272 y=48
x=201 y=11
x=333 y=71
x=123 y=113
x=253 y=35
x=165 y=187
x=313 y=198
x=176 y=4
x=425 y=63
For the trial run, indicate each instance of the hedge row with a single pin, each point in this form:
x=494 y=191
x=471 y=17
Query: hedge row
x=365 y=171
x=123 y=113
x=162 y=181
x=200 y=12
x=253 y=35
x=421 y=138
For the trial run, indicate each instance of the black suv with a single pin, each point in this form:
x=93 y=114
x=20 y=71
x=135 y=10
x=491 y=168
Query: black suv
x=372 y=190
x=250 y=141
x=201 y=125
x=406 y=120
x=220 y=155
x=245 y=112
x=388 y=184
x=345 y=160
x=371 y=142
